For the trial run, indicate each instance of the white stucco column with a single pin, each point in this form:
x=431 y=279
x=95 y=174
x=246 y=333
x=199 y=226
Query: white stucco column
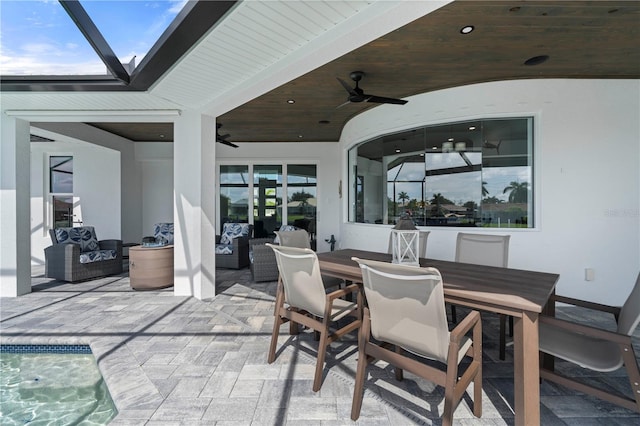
x=15 y=237
x=194 y=208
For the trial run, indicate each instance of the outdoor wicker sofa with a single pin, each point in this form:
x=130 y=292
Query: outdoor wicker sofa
x=77 y=254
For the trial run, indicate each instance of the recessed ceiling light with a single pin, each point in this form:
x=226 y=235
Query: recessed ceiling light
x=536 y=60
x=472 y=128
x=324 y=122
x=397 y=150
x=161 y=136
x=291 y=101
x=300 y=136
x=466 y=29
x=450 y=139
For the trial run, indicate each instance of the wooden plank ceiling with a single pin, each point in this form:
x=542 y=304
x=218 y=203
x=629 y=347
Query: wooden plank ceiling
x=582 y=39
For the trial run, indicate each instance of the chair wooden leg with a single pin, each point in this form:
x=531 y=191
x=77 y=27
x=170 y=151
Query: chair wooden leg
x=449 y=397
x=294 y=328
x=274 y=339
x=398 y=370
x=277 y=322
x=477 y=380
x=322 y=351
x=361 y=370
x=631 y=365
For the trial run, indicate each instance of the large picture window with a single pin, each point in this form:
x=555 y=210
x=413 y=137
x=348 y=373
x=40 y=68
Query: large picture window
x=473 y=173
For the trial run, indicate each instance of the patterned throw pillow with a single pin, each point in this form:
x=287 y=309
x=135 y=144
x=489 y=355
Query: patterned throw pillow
x=233 y=230
x=163 y=232
x=276 y=240
x=224 y=249
x=85 y=236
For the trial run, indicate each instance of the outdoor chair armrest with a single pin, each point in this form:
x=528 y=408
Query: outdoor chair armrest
x=469 y=322
x=254 y=242
x=597 y=333
x=240 y=241
x=615 y=310
x=110 y=245
x=343 y=292
x=70 y=250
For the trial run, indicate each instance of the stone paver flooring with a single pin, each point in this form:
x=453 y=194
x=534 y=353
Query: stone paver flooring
x=171 y=360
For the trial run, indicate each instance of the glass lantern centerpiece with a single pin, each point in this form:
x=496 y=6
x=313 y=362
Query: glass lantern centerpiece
x=405 y=243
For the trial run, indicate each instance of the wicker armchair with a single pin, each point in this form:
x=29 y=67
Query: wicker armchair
x=263 y=260
x=236 y=254
x=75 y=257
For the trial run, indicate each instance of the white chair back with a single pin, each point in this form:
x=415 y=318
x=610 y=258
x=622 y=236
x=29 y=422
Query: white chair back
x=630 y=312
x=298 y=238
x=406 y=305
x=482 y=249
x=300 y=274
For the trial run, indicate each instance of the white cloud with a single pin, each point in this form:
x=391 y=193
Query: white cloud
x=13 y=65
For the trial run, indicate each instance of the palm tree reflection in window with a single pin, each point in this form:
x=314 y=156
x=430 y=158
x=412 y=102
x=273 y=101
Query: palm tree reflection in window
x=518 y=192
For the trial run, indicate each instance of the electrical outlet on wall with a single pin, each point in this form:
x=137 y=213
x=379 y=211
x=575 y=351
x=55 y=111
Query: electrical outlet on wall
x=589 y=274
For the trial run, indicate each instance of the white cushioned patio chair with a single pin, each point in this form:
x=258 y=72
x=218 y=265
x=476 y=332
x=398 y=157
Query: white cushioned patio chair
x=594 y=348
x=301 y=299
x=301 y=239
x=406 y=310
x=489 y=250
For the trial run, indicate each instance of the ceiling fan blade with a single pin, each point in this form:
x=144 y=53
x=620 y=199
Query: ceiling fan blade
x=383 y=100
x=223 y=136
x=347 y=87
x=231 y=144
x=343 y=104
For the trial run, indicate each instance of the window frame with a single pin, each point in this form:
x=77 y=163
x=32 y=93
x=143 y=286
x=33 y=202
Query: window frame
x=50 y=195
x=530 y=157
x=283 y=186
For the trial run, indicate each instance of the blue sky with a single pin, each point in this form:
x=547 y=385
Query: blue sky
x=37 y=37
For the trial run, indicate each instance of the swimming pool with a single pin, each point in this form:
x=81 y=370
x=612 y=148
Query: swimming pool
x=52 y=385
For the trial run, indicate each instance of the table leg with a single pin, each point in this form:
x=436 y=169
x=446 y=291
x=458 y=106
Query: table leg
x=526 y=378
x=548 y=361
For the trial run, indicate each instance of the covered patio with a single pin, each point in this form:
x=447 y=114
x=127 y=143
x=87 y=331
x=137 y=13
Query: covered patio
x=172 y=360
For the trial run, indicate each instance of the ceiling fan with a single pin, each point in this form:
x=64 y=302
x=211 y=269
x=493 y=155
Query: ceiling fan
x=223 y=138
x=356 y=94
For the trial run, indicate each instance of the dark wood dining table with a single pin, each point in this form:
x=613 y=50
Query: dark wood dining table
x=521 y=294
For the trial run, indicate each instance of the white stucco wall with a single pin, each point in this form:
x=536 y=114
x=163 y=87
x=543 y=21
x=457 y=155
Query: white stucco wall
x=96 y=186
x=156 y=169
x=130 y=190
x=587 y=178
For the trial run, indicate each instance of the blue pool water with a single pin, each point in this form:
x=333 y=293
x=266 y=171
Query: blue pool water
x=52 y=385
